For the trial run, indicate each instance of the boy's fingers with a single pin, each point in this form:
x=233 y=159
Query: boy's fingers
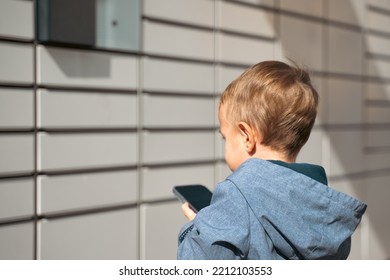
x=188 y=212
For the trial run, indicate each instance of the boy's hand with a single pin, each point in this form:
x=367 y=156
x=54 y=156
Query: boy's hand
x=188 y=212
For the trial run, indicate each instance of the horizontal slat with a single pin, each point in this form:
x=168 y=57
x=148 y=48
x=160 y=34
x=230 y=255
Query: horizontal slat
x=17 y=242
x=258 y=2
x=16 y=198
x=377 y=91
x=350 y=12
x=178 y=41
x=343 y=94
x=16 y=108
x=110 y=235
x=17 y=19
x=225 y=75
x=378 y=161
x=307 y=7
x=18 y=59
x=378 y=68
x=83 y=191
x=157 y=229
x=16 y=153
x=382 y=4
x=377 y=114
x=80 y=68
x=378 y=21
x=91 y=150
x=237 y=49
x=179 y=77
x=178 y=111
x=246 y=20
x=378 y=138
x=302 y=41
x=199 y=12
x=346 y=152
x=157 y=183
x=345 y=51
x=378 y=45
x=60 y=109
x=171 y=147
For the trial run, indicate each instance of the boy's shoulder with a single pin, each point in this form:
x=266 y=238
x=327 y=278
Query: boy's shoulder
x=253 y=168
x=256 y=169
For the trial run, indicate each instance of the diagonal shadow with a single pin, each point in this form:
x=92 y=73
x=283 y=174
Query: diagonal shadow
x=335 y=49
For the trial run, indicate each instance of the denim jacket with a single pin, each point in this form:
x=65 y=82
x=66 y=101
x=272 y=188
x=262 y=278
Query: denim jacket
x=267 y=211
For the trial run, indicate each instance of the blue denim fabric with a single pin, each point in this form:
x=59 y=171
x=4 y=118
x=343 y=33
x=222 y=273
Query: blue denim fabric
x=267 y=211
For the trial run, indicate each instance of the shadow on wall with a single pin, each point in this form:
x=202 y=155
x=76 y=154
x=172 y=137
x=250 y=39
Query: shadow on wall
x=80 y=65
x=342 y=72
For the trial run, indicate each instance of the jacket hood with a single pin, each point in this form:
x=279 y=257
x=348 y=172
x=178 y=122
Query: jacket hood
x=304 y=219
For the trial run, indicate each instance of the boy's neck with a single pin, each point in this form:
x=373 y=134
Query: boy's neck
x=266 y=153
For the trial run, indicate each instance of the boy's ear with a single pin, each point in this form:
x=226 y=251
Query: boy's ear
x=248 y=136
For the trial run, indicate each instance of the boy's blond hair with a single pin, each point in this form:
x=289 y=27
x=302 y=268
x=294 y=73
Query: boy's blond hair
x=278 y=100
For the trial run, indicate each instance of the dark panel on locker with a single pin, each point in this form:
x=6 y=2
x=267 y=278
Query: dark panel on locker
x=67 y=21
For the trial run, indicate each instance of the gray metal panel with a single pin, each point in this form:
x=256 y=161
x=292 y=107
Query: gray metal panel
x=169 y=147
x=345 y=45
x=308 y=7
x=159 y=181
x=241 y=50
x=302 y=41
x=17 y=242
x=175 y=76
x=16 y=153
x=199 y=12
x=104 y=236
x=376 y=44
x=350 y=12
x=166 y=111
x=346 y=152
x=183 y=42
x=240 y=18
x=378 y=21
x=16 y=108
x=16 y=198
x=18 y=59
x=378 y=68
x=259 y=2
x=83 y=191
x=91 y=150
x=226 y=75
x=341 y=92
x=60 y=109
x=377 y=115
x=166 y=220
x=17 y=19
x=80 y=68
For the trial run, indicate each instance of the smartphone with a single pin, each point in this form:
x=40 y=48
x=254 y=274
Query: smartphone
x=198 y=196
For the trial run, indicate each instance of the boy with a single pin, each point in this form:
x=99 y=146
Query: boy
x=270 y=207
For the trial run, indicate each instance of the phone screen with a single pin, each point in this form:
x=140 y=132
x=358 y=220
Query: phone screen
x=198 y=196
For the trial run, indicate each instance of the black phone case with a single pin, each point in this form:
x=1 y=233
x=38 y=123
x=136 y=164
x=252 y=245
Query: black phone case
x=198 y=196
